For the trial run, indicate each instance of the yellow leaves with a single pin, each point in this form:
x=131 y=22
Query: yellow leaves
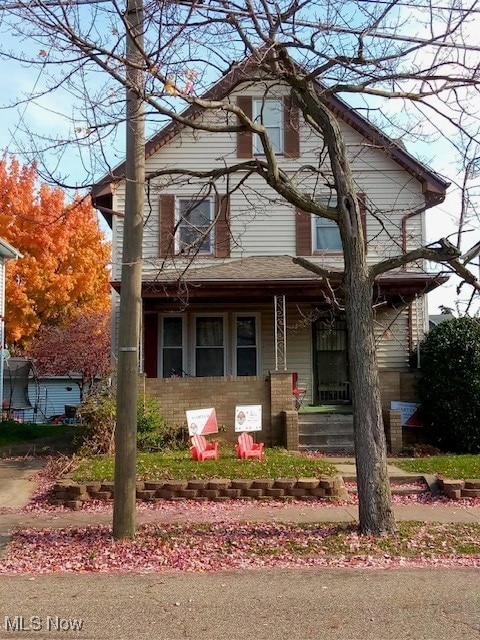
x=170 y=87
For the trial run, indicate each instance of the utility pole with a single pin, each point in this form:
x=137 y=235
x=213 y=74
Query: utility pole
x=124 y=521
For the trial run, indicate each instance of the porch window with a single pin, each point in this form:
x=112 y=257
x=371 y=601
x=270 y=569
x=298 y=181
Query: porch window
x=246 y=345
x=209 y=346
x=326 y=234
x=270 y=114
x=195 y=228
x=172 y=346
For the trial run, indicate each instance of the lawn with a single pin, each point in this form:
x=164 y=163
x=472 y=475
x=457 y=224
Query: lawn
x=449 y=466
x=177 y=465
x=12 y=433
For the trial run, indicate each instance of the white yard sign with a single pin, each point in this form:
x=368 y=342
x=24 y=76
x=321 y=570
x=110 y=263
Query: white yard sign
x=248 y=417
x=201 y=422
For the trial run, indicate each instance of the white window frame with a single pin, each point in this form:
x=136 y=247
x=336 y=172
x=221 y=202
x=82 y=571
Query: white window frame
x=161 y=345
x=224 y=317
x=325 y=222
x=257 y=317
x=211 y=234
x=257 y=108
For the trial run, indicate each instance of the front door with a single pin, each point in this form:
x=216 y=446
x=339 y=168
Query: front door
x=330 y=361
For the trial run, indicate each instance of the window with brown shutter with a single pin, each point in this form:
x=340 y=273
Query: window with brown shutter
x=281 y=119
x=306 y=228
x=185 y=226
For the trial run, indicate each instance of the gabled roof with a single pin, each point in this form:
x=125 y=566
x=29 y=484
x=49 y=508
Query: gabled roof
x=434 y=187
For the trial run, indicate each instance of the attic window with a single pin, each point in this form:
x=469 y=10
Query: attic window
x=270 y=114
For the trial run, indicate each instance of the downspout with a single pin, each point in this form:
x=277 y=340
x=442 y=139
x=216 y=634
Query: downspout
x=405 y=218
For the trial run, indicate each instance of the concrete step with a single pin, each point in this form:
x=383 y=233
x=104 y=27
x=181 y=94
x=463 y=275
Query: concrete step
x=341 y=449
x=330 y=429
x=324 y=418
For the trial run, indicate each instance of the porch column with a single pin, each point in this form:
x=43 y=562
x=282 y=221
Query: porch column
x=280 y=402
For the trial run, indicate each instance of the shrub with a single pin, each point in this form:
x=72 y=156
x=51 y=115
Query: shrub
x=153 y=433
x=98 y=416
x=449 y=385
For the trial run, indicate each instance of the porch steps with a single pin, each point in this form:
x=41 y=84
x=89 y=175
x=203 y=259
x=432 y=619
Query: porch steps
x=326 y=433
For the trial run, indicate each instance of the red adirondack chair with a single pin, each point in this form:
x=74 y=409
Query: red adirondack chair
x=247 y=448
x=203 y=450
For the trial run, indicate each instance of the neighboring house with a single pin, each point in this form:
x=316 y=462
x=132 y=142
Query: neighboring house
x=233 y=304
x=29 y=398
x=436 y=319
x=7 y=252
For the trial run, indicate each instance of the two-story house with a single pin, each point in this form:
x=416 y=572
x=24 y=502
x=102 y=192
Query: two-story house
x=223 y=302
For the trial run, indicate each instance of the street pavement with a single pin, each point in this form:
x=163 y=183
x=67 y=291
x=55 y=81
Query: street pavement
x=309 y=604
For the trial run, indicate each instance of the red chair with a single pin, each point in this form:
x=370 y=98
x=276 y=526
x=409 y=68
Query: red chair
x=203 y=450
x=247 y=448
x=298 y=394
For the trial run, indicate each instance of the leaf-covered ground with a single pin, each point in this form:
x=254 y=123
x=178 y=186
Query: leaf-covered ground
x=224 y=546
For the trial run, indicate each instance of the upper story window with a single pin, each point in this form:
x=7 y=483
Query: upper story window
x=195 y=229
x=270 y=114
x=326 y=234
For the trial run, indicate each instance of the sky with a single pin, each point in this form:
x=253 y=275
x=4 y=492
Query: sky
x=44 y=116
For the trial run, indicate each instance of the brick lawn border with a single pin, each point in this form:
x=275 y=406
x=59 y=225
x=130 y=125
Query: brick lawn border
x=74 y=494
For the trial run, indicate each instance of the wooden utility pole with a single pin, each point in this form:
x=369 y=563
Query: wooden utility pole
x=124 y=522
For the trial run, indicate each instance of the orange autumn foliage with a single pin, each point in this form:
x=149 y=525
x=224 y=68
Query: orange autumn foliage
x=64 y=270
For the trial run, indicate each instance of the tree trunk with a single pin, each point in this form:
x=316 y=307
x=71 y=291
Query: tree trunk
x=375 y=512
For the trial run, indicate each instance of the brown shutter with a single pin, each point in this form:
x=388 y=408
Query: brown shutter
x=362 y=200
x=222 y=226
x=166 y=226
x=150 y=345
x=303 y=227
x=244 y=138
x=291 y=133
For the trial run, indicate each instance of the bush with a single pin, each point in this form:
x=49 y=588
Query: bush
x=449 y=385
x=153 y=433
x=98 y=416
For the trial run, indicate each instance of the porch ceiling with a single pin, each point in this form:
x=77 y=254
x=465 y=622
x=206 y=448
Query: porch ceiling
x=258 y=279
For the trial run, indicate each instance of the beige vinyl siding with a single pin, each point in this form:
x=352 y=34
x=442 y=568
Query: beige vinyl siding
x=391 y=338
x=256 y=209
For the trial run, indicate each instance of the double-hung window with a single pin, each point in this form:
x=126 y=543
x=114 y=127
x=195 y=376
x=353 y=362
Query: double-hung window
x=209 y=346
x=195 y=225
x=270 y=114
x=172 y=346
x=246 y=345
x=326 y=234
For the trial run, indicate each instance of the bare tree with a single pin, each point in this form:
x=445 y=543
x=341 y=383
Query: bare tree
x=418 y=56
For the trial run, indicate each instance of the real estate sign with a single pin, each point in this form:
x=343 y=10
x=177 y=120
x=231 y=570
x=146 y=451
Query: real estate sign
x=248 y=417
x=409 y=413
x=201 y=422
